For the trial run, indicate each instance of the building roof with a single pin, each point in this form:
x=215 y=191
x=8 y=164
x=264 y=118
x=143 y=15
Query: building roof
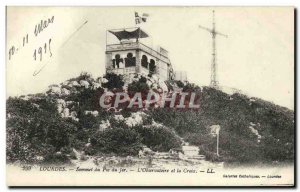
x=135 y=33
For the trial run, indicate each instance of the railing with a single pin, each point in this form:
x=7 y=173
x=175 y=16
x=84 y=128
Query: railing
x=123 y=46
x=121 y=71
x=137 y=45
x=150 y=50
x=118 y=71
x=128 y=70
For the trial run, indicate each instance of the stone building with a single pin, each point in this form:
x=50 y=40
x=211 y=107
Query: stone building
x=130 y=56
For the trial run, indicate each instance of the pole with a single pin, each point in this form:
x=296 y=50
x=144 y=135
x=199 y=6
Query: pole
x=139 y=33
x=214 y=67
x=213 y=82
x=218 y=144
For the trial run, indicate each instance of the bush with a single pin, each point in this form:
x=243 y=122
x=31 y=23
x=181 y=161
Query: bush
x=189 y=87
x=139 y=86
x=183 y=122
x=211 y=156
x=38 y=134
x=87 y=121
x=199 y=139
x=17 y=148
x=179 y=84
x=158 y=138
x=117 y=140
x=56 y=159
x=84 y=76
x=34 y=126
x=88 y=99
x=114 y=81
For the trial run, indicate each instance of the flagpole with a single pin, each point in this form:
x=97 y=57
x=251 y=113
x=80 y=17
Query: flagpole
x=136 y=16
x=139 y=33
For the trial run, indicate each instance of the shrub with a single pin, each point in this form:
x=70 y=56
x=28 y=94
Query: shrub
x=84 y=76
x=180 y=84
x=40 y=133
x=190 y=87
x=87 y=121
x=199 y=139
x=117 y=140
x=138 y=86
x=183 y=122
x=158 y=138
x=56 y=159
x=114 y=81
x=34 y=127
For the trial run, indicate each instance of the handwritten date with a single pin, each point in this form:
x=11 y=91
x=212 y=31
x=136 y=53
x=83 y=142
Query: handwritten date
x=38 y=53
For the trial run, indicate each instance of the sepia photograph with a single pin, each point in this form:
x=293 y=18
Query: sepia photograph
x=150 y=96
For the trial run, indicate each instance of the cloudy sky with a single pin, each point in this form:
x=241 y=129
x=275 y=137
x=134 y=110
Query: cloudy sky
x=257 y=58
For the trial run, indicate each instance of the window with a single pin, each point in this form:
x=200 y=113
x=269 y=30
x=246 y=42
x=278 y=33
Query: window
x=144 y=61
x=152 y=66
x=117 y=61
x=130 y=60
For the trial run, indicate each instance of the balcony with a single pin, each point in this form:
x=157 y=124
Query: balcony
x=139 y=46
x=121 y=47
x=122 y=71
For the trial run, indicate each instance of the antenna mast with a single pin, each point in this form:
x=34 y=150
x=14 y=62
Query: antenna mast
x=213 y=78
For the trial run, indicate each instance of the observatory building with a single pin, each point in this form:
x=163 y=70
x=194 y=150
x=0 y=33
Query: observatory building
x=129 y=56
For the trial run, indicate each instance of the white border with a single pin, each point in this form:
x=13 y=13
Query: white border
x=5 y=3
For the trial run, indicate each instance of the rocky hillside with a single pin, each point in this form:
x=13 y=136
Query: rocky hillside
x=46 y=127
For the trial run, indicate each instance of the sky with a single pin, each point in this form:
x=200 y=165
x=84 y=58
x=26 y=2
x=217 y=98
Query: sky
x=256 y=58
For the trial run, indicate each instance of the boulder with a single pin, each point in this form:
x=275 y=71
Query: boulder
x=84 y=83
x=65 y=91
x=66 y=112
x=119 y=118
x=74 y=84
x=96 y=85
x=94 y=113
x=55 y=90
x=104 y=125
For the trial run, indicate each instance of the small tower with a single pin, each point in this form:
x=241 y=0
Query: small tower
x=129 y=56
x=213 y=78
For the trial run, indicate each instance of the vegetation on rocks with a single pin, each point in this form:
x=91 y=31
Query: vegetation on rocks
x=44 y=128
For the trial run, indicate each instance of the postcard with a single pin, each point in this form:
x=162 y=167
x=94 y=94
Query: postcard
x=150 y=96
